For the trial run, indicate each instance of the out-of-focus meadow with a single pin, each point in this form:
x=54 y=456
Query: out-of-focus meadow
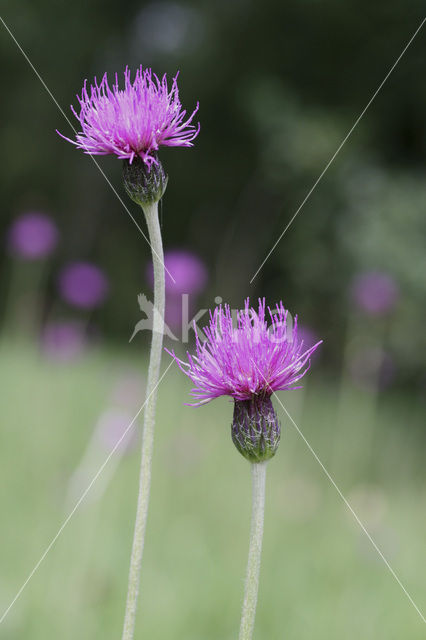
x=320 y=575
x=279 y=88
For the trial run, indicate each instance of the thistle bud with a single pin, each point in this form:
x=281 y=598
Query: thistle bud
x=144 y=184
x=256 y=429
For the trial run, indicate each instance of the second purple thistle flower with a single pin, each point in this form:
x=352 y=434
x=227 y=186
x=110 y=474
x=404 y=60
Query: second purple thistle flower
x=249 y=361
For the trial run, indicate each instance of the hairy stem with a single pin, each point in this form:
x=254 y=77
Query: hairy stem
x=255 y=549
x=151 y=215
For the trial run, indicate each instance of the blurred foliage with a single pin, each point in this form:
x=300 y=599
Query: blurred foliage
x=280 y=85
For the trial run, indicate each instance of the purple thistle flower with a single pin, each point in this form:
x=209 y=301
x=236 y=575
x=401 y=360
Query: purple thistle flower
x=248 y=360
x=32 y=236
x=83 y=285
x=134 y=121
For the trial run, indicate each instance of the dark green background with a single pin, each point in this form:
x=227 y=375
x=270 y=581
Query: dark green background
x=279 y=86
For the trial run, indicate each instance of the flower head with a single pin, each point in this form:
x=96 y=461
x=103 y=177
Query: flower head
x=134 y=121
x=249 y=359
x=249 y=362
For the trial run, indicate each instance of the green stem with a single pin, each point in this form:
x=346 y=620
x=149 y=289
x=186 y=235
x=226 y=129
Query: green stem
x=151 y=215
x=255 y=549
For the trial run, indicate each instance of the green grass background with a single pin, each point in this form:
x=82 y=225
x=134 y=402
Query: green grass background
x=320 y=576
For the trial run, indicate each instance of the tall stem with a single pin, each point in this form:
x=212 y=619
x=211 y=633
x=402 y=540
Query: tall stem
x=255 y=549
x=151 y=215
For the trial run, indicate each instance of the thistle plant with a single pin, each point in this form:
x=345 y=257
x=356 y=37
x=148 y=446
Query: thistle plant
x=132 y=123
x=249 y=362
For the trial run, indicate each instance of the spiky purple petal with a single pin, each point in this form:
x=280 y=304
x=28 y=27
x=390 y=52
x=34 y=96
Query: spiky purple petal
x=248 y=359
x=134 y=121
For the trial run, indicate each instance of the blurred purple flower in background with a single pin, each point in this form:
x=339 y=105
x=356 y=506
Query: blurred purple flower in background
x=63 y=340
x=187 y=269
x=307 y=336
x=114 y=430
x=375 y=292
x=83 y=285
x=32 y=236
x=167 y=27
x=175 y=313
x=190 y=275
x=372 y=368
x=120 y=414
x=127 y=390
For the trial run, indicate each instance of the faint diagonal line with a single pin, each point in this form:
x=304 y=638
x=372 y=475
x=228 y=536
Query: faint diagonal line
x=80 y=500
x=355 y=515
x=348 y=505
x=75 y=132
x=345 y=139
